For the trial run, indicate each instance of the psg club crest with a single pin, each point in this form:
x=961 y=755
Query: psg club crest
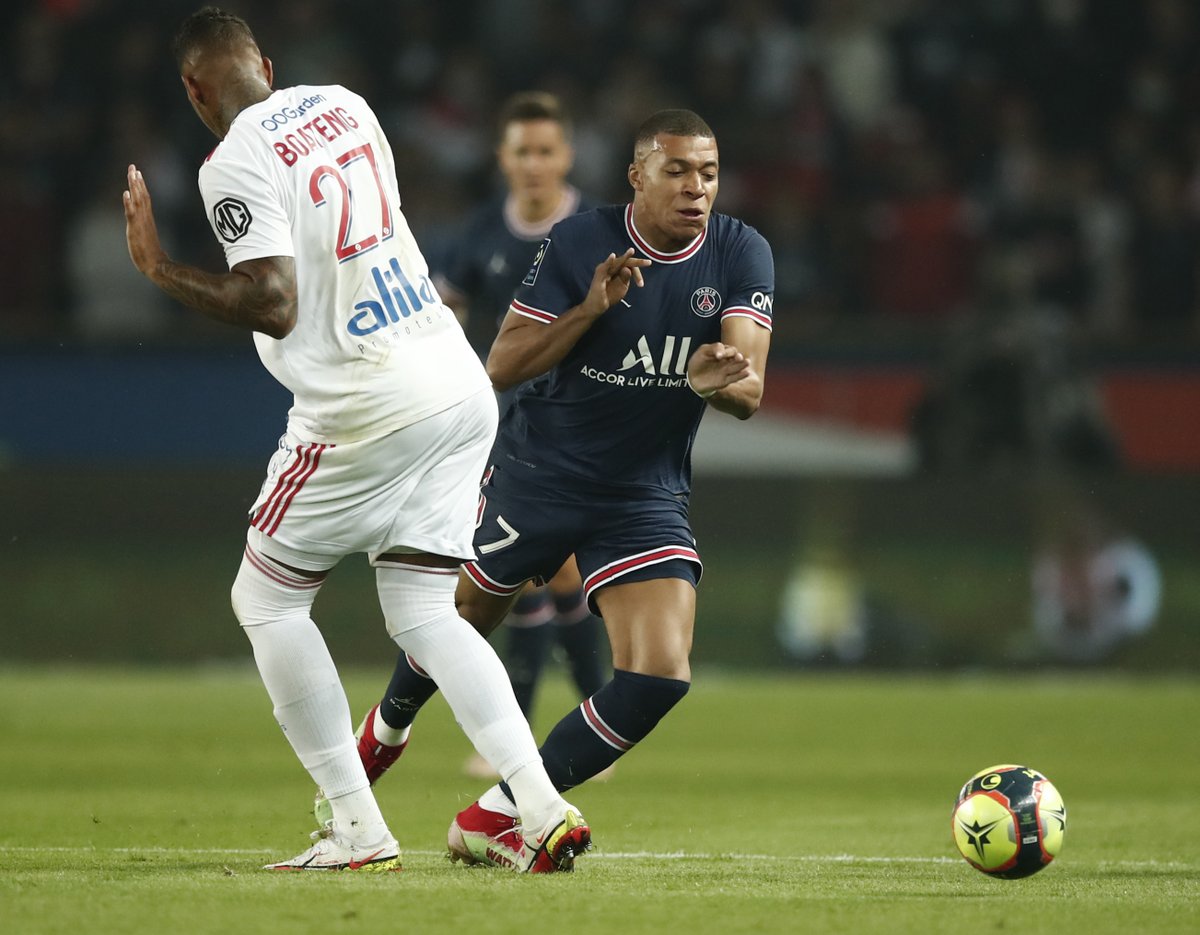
x=231 y=218
x=705 y=301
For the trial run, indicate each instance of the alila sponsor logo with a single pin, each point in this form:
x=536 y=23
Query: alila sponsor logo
x=396 y=297
x=642 y=367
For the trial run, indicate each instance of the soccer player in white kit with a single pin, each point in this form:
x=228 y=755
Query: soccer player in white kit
x=392 y=422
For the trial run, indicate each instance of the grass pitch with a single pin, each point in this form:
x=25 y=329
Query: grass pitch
x=146 y=800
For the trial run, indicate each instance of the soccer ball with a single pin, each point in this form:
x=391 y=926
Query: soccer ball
x=1009 y=821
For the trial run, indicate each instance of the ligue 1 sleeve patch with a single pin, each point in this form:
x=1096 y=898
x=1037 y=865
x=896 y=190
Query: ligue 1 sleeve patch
x=531 y=276
x=231 y=219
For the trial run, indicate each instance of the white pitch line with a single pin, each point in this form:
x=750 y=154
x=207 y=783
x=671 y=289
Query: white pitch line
x=592 y=855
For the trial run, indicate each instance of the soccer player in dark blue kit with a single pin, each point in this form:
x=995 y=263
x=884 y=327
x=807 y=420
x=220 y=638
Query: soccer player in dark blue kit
x=482 y=270
x=594 y=455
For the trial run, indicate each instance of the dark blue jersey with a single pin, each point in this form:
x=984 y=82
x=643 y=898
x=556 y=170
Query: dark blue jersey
x=616 y=412
x=489 y=257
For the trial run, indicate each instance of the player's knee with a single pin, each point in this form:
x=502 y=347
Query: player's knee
x=646 y=699
x=260 y=594
x=481 y=610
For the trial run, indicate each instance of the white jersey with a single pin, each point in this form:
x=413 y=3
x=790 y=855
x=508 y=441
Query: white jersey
x=308 y=173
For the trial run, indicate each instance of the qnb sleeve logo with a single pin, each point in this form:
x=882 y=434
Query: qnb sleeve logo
x=231 y=219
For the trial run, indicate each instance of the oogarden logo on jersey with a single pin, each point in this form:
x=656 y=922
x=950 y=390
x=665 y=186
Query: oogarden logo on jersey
x=705 y=301
x=231 y=219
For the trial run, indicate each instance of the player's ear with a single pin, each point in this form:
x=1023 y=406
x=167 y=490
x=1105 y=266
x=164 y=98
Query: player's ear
x=195 y=92
x=268 y=71
x=634 y=174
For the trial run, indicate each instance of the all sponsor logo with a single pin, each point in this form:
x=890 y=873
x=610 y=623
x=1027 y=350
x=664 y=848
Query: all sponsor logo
x=642 y=367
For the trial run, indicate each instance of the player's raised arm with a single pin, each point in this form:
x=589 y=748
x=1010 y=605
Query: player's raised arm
x=525 y=348
x=257 y=294
x=730 y=373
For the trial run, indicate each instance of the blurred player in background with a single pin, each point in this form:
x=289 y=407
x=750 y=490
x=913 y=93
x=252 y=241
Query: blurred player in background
x=389 y=432
x=483 y=270
x=593 y=457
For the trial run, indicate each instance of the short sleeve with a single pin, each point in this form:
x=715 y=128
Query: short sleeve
x=752 y=293
x=244 y=211
x=549 y=287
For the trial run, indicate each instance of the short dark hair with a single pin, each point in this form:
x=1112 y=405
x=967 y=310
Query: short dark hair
x=532 y=105
x=676 y=122
x=210 y=28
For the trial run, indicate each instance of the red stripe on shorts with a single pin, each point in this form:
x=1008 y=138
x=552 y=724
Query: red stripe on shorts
x=484 y=583
x=279 y=575
x=288 y=485
x=653 y=557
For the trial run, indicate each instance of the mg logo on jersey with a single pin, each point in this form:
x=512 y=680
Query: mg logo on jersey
x=231 y=219
x=705 y=301
x=668 y=361
x=395 y=297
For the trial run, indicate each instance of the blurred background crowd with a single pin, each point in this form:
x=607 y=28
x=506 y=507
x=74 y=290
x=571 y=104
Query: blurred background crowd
x=978 y=439
x=916 y=164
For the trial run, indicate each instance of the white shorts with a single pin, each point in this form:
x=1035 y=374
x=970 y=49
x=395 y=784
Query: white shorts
x=414 y=490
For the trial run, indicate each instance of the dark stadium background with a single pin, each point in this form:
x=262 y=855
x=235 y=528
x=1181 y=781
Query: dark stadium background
x=986 y=223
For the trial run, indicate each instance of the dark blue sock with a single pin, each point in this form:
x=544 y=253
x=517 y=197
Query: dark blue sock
x=533 y=606
x=409 y=688
x=597 y=733
x=581 y=642
x=527 y=650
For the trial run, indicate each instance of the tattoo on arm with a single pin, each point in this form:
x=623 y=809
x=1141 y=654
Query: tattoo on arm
x=259 y=295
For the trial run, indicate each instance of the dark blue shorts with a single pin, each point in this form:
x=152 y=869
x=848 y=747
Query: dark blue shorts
x=527 y=532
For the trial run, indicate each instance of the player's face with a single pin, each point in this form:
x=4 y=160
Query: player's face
x=675 y=184
x=535 y=157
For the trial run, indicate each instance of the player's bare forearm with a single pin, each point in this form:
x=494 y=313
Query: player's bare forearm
x=740 y=399
x=259 y=295
x=525 y=349
x=730 y=373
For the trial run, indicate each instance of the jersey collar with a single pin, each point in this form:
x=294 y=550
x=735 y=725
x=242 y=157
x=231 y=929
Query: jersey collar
x=657 y=255
x=567 y=205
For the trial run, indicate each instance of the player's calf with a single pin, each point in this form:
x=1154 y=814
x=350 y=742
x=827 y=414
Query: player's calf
x=607 y=725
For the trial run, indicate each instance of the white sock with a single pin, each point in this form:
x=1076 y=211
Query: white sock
x=418 y=605
x=356 y=817
x=537 y=799
x=309 y=701
x=386 y=734
x=494 y=800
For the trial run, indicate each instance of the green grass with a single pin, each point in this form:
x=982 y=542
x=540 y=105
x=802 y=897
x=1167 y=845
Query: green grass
x=145 y=801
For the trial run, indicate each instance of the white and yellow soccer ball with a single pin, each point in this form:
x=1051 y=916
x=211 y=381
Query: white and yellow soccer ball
x=1009 y=821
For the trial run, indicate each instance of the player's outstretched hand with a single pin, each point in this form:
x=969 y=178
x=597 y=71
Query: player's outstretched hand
x=715 y=366
x=612 y=279
x=141 y=233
